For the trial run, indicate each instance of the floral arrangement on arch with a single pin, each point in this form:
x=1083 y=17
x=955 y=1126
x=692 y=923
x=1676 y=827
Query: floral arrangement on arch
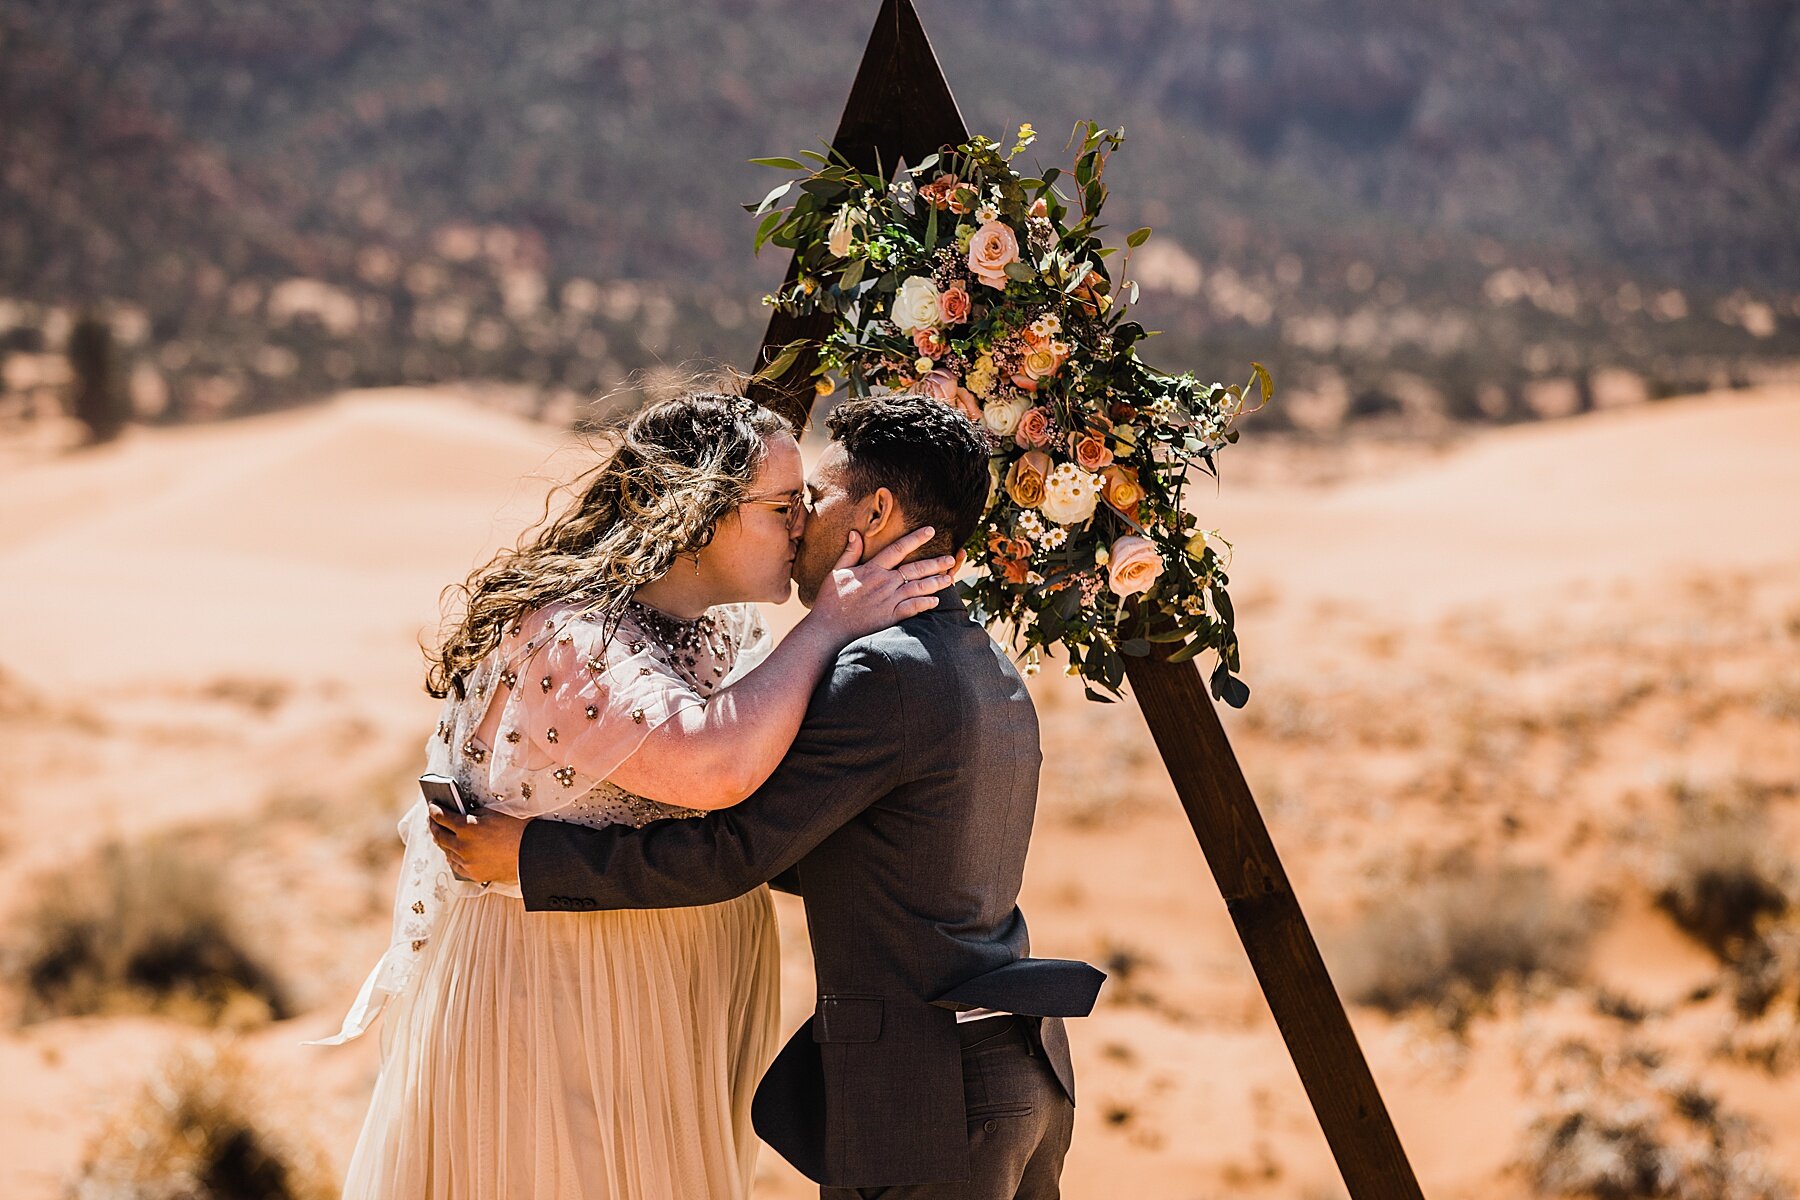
x=990 y=290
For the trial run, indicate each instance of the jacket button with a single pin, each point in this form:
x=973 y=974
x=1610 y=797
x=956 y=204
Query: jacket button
x=990 y=1125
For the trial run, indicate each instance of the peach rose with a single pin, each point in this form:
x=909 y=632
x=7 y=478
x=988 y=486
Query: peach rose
x=953 y=303
x=930 y=343
x=968 y=404
x=1035 y=429
x=1122 y=489
x=990 y=250
x=1039 y=208
x=1133 y=566
x=1025 y=481
x=1024 y=382
x=1090 y=451
x=1043 y=357
x=941 y=384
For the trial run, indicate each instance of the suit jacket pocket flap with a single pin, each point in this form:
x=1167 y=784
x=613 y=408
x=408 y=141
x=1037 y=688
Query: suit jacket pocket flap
x=847 y=1019
x=1031 y=987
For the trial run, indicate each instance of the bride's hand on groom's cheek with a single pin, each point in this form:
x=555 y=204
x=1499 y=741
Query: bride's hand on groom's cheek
x=484 y=848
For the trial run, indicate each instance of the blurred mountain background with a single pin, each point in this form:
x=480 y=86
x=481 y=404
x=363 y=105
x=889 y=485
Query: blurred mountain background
x=1411 y=212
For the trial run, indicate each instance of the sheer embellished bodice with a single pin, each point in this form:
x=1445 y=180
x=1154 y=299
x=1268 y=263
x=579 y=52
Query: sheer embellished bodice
x=552 y=711
x=565 y=699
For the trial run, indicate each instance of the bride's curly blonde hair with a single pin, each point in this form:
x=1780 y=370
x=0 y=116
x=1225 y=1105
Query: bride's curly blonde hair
x=669 y=474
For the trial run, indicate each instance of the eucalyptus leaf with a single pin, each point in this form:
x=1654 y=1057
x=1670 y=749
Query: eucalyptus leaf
x=783 y=362
x=785 y=164
x=1020 y=271
x=769 y=224
x=775 y=193
x=1188 y=651
x=1229 y=688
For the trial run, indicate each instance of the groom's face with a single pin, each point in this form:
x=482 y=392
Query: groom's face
x=835 y=513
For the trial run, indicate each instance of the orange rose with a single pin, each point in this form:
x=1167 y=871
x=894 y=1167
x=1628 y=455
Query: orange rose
x=991 y=249
x=1092 y=292
x=939 y=190
x=1025 y=480
x=1090 y=451
x=1121 y=489
x=930 y=343
x=1133 y=566
x=953 y=303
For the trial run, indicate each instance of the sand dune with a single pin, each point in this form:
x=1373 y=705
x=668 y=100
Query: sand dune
x=1514 y=517
x=203 y=626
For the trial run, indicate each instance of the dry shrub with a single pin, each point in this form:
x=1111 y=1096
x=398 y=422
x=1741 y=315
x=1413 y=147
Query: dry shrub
x=197 y=1132
x=144 y=927
x=1722 y=876
x=1625 y=1127
x=1766 y=992
x=1451 y=942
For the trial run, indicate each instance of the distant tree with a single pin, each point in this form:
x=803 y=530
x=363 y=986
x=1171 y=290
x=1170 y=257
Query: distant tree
x=97 y=402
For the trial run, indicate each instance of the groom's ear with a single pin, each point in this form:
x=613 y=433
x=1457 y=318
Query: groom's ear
x=881 y=522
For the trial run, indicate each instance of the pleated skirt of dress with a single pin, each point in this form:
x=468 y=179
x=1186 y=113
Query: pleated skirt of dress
x=599 y=1056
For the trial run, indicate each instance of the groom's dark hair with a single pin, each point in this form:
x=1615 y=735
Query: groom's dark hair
x=934 y=460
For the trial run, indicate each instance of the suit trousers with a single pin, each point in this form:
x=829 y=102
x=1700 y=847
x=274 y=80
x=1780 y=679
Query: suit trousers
x=1020 y=1122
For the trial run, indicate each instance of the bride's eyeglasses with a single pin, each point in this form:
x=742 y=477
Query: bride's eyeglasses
x=794 y=506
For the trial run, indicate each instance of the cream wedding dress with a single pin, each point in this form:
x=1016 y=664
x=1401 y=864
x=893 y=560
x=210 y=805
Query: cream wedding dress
x=537 y=1056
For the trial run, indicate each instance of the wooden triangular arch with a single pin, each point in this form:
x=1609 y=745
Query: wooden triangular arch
x=901 y=107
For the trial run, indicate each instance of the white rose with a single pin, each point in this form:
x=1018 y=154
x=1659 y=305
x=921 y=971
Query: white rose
x=916 y=305
x=1070 y=495
x=1002 y=414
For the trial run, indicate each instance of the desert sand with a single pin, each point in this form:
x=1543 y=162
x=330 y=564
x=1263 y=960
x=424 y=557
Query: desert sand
x=1512 y=649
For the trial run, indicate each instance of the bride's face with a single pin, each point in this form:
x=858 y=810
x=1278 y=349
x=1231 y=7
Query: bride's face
x=752 y=550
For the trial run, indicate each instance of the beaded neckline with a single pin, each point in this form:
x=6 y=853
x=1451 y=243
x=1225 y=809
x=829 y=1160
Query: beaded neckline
x=656 y=616
x=690 y=643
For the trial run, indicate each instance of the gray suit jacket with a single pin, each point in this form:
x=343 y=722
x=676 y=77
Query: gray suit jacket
x=902 y=815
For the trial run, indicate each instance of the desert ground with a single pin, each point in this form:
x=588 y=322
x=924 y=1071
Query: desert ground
x=1525 y=725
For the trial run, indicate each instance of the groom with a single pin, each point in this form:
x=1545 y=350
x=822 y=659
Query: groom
x=935 y=1064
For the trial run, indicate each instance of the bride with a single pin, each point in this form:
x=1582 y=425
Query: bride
x=614 y=668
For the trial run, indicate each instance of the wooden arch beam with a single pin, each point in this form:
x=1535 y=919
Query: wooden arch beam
x=901 y=107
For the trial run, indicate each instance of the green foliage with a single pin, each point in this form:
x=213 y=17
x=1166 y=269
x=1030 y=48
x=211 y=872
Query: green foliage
x=964 y=280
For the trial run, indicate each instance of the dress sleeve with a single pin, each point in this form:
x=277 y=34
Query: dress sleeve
x=580 y=702
x=750 y=631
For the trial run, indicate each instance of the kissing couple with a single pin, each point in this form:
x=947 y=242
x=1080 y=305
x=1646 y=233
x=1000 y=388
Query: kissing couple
x=581 y=988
